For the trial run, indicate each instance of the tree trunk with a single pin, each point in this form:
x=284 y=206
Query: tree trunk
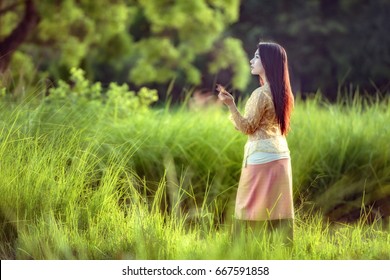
x=19 y=35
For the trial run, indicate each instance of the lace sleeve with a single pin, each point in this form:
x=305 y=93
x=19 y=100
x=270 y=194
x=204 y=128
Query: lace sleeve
x=254 y=110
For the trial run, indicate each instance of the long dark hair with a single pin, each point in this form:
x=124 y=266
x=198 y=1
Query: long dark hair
x=274 y=60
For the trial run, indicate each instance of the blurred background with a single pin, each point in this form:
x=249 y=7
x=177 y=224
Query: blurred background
x=177 y=45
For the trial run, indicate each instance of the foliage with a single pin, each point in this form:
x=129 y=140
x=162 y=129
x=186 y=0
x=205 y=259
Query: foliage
x=84 y=93
x=147 y=41
x=226 y=57
x=330 y=44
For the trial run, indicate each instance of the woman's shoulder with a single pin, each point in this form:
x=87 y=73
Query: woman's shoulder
x=266 y=88
x=263 y=91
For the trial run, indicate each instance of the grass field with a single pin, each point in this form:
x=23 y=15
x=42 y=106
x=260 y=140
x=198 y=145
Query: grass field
x=91 y=182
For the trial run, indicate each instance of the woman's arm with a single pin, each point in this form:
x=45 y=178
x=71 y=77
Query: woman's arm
x=254 y=110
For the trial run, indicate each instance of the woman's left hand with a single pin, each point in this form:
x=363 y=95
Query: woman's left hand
x=225 y=96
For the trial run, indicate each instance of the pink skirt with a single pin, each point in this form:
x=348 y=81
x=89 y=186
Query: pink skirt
x=265 y=192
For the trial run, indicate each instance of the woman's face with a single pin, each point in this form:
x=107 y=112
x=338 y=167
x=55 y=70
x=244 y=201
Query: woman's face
x=256 y=65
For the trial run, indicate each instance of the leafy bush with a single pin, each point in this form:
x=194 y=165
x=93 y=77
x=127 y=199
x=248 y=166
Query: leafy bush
x=118 y=98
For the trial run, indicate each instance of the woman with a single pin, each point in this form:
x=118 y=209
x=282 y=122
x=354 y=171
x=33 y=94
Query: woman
x=265 y=188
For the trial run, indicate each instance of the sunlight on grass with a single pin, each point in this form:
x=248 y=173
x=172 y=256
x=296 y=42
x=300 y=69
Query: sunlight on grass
x=77 y=183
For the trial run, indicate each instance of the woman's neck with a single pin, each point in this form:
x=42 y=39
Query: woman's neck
x=263 y=79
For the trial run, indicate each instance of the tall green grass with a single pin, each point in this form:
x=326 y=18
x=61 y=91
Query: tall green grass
x=79 y=182
x=341 y=156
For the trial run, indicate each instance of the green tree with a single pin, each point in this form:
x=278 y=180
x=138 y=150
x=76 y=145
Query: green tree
x=14 y=39
x=145 y=41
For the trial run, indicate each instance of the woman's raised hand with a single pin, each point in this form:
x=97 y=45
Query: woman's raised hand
x=224 y=96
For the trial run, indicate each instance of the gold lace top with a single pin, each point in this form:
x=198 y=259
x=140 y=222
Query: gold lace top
x=260 y=123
